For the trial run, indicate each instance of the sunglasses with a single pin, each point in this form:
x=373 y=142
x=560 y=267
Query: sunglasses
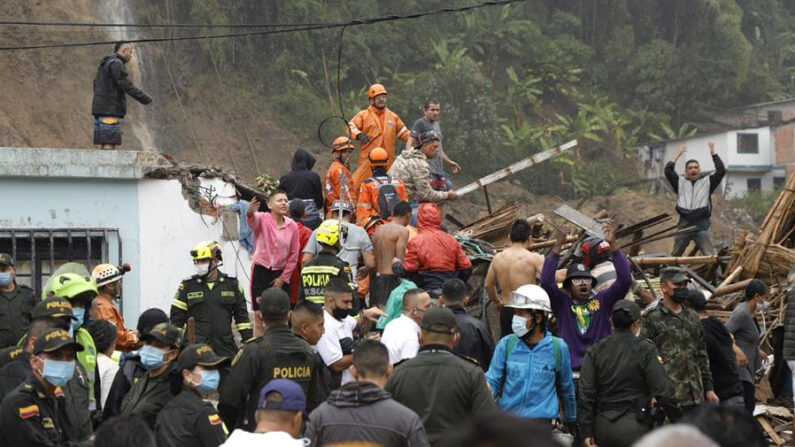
x=581 y=281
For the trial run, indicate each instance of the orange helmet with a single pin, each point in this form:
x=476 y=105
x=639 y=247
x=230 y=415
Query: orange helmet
x=378 y=157
x=342 y=144
x=375 y=90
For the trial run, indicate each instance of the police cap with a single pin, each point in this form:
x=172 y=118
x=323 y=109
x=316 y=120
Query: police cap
x=53 y=340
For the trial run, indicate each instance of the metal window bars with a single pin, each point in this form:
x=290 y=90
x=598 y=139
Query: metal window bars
x=39 y=252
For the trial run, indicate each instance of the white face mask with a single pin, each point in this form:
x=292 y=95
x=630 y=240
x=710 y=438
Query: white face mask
x=763 y=306
x=519 y=326
x=202 y=269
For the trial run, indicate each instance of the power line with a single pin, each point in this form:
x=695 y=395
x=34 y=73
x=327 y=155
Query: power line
x=151 y=25
x=369 y=21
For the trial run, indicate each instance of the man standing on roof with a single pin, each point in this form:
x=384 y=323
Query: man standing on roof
x=109 y=105
x=108 y=278
x=379 y=194
x=375 y=126
x=693 y=202
x=213 y=299
x=338 y=183
x=16 y=303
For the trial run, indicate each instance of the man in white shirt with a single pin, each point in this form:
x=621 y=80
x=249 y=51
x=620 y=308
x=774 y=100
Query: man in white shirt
x=279 y=418
x=401 y=335
x=336 y=344
x=356 y=243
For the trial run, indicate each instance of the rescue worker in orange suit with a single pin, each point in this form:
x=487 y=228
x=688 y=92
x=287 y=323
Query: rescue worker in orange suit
x=339 y=174
x=375 y=126
x=378 y=191
x=108 y=278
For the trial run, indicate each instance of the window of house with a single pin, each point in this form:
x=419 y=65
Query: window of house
x=747 y=143
x=40 y=252
x=754 y=184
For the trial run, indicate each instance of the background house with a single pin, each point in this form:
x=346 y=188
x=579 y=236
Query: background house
x=96 y=206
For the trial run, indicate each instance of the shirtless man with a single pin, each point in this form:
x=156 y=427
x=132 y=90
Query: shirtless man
x=513 y=267
x=389 y=242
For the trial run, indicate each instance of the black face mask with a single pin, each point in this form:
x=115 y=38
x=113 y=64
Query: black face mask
x=679 y=295
x=339 y=313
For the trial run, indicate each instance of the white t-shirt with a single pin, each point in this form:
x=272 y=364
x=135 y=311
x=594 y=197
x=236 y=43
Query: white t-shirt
x=329 y=345
x=401 y=338
x=107 y=371
x=240 y=438
x=357 y=242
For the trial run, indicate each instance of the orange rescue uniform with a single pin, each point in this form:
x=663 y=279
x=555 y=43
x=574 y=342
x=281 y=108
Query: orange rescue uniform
x=333 y=185
x=367 y=204
x=383 y=127
x=126 y=340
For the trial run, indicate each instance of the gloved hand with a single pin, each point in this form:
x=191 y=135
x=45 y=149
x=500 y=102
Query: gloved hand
x=347 y=344
x=363 y=138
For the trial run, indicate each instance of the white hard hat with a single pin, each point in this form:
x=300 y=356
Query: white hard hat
x=530 y=296
x=106 y=274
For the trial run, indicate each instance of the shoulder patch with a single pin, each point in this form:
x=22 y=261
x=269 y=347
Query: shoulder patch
x=59 y=392
x=29 y=412
x=47 y=423
x=215 y=419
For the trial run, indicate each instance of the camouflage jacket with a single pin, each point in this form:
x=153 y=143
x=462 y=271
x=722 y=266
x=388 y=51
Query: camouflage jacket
x=680 y=340
x=411 y=166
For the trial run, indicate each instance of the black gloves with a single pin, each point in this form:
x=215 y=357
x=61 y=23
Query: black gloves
x=363 y=138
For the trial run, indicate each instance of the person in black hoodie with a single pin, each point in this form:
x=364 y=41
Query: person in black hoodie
x=302 y=183
x=362 y=411
x=721 y=352
x=109 y=105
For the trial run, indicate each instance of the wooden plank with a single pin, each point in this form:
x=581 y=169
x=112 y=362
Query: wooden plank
x=769 y=430
x=656 y=220
x=697 y=278
x=668 y=260
x=732 y=276
x=516 y=167
x=589 y=224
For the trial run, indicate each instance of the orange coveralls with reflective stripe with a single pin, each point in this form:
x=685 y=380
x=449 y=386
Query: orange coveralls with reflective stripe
x=333 y=186
x=383 y=127
x=367 y=204
x=105 y=310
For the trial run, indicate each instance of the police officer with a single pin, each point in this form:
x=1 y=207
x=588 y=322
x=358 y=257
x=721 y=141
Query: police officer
x=16 y=303
x=317 y=272
x=32 y=414
x=212 y=298
x=188 y=420
x=154 y=389
x=620 y=375
x=278 y=353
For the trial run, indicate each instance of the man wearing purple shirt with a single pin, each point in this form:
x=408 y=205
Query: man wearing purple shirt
x=583 y=316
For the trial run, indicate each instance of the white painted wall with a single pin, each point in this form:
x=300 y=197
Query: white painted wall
x=763 y=158
x=169 y=229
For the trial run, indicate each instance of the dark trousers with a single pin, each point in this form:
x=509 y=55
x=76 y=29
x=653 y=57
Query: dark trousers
x=261 y=279
x=381 y=286
x=506 y=315
x=748 y=394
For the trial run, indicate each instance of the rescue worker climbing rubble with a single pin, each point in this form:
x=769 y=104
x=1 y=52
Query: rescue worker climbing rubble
x=214 y=299
x=375 y=126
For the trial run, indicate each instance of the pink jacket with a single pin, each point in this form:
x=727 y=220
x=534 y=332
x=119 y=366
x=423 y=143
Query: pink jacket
x=275 y=248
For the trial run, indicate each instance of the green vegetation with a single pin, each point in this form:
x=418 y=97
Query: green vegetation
x=756 y=203
x=516 y=79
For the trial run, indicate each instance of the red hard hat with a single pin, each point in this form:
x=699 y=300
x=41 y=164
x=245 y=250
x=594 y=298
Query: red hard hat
x=375 y=90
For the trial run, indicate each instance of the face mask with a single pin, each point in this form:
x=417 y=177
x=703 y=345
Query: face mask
x=519 y=326
x=202 y=269
x=761 y=307
x=339 y=313
x=5 y=279
x=209 y=383
x=78 y=315
x=57 y=372
x=679 y=295
x=151 y=357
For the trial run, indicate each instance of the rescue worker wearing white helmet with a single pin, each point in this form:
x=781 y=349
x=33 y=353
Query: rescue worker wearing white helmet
x=538 y=362
x=108 y=278
x=213 y=299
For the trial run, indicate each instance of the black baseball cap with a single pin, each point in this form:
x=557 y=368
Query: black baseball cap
x=293 y=398
x=166 y=334
x=6 y=259
x=274 y=302
x=199 y=354
x=53 y=340
x=628 y=307
x=52 y=308
x=440 y=320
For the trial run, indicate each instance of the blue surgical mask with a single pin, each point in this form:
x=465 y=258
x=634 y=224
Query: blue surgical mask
x=78 y=315
x=151 y=357
x=5 y=278
x=57 y=372
x=519 y=326
x=210 y=380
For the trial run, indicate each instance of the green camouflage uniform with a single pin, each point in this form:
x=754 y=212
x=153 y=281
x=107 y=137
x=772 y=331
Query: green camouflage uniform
x=680 y=340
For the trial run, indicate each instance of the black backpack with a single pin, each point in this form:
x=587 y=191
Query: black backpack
x=387 y=197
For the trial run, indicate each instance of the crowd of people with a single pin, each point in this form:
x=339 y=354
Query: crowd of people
x=360 y=331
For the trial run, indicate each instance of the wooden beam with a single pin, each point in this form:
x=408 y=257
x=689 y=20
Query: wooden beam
x=669 y=260
x=731 y=288
x=769 y=430
x=732 y=276
x=551 y=243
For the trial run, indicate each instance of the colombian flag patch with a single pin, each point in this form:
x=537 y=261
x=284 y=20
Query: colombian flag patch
x=58 y=392
x=29 y=412
x=215 y=419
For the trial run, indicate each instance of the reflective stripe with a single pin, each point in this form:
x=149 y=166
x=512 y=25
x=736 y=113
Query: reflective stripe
x=364 y=205
x=179 y=304
x=354 y=130
x=316 y=299
x=320 y=269
x=241 y=326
